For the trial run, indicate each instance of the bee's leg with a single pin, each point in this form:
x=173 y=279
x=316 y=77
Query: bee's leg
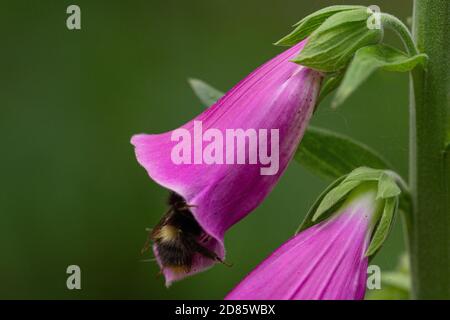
x=224 y=262
x=147 y=241
x=217 y=258
x=187 y=206
x=145 y=247
x=204 y=238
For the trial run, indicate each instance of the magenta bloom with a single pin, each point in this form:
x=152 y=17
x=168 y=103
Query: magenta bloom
x=224 y=178
x=324 y=262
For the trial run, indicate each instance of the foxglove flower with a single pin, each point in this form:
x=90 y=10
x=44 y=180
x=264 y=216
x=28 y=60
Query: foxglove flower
x=272 y=106
x=327 y=261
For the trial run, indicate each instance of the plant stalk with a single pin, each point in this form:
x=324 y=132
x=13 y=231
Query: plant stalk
x=429 y=158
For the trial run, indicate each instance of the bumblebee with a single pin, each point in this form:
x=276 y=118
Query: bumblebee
x=178 y=237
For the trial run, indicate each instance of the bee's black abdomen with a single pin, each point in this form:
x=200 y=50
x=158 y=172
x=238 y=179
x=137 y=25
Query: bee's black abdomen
x=174 y=254
x=185 y=221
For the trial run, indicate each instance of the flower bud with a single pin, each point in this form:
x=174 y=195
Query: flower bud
x=328 y=258
x=331 y=46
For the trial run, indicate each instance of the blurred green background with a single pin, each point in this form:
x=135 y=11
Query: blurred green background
x=71 y=189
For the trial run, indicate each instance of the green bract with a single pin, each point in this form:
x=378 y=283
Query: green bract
x=333 y=44
x=388 y=192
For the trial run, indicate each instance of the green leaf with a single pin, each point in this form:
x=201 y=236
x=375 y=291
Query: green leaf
x=367 y=60
x=387 y=187
x=331 y=46
x=383 y=227
x=334 y=196
x=331 y=155
x=207 y=94
x=310 y=23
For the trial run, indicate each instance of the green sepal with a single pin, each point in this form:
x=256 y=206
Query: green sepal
x=331 y=46
x=330 y=83
x=383 y=226
x=310 y=23
x=387 y=187
x=308 y=220
x=369 y=59
x=364 y=174
x=335 y=196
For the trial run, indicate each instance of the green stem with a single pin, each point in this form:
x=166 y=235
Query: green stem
x=429 y=165
x=405 y=205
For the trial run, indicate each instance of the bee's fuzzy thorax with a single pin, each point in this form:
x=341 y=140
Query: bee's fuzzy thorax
x=167 y=233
